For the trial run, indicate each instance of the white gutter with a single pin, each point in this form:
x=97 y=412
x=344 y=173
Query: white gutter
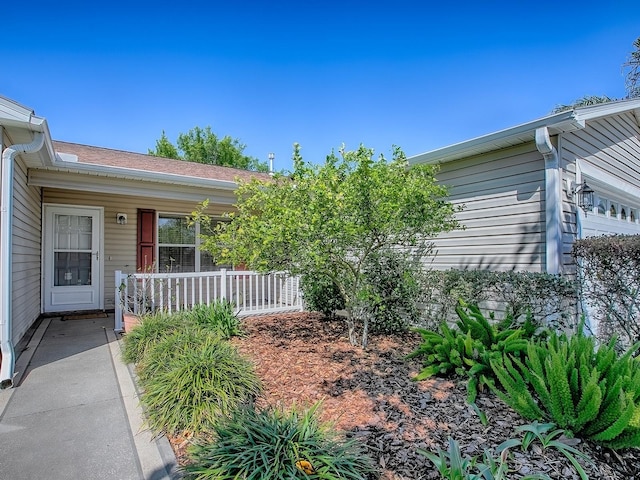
x=6 y=233
x=553 y=200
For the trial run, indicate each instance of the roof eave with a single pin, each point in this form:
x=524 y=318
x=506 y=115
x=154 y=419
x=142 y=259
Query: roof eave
x=141 y=175
x=561 y=122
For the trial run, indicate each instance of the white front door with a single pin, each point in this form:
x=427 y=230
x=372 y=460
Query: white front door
x=72 y=258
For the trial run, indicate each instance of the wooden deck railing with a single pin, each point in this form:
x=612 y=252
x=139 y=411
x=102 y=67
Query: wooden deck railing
x=250 y=293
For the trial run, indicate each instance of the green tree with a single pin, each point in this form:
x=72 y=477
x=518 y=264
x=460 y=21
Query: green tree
x=632 y=84
x=331 y=220
x=203 y=146
x=632 y=67
x=583 y=102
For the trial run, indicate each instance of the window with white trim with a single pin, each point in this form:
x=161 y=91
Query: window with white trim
x=179 y=246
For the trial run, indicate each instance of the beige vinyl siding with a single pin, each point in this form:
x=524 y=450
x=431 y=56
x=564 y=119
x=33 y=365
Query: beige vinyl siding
x=503 y=197
x=27 y=237
x=120 y=240
x=611 y=144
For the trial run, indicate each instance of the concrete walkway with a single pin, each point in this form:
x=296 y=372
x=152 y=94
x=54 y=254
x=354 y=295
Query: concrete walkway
x=74 y=413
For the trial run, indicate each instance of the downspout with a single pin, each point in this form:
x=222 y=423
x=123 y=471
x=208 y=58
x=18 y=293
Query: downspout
x=6 y=234
x=553 y=201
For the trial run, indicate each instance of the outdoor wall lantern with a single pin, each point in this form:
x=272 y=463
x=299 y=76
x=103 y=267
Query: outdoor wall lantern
x=585 y=197
x=121 y=218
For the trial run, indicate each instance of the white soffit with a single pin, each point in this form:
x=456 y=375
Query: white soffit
x=561 y=122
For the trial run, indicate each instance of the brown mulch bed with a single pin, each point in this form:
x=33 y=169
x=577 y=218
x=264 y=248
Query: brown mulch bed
x=369 y=394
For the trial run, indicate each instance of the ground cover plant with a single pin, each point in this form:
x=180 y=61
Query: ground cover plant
x=273 y=443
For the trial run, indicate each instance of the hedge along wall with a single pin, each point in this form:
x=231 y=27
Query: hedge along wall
x=552 y=299
x=609 y=279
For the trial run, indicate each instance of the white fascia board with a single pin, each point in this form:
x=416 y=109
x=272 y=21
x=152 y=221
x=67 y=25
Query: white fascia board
x=12 y=113
x=143 y=175
x=562 y=121
x=126 y=186
x=602 y=110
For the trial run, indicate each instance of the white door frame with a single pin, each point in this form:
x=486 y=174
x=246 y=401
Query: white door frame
x=70 y=297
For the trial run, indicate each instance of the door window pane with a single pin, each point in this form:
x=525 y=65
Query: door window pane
x=72 y=268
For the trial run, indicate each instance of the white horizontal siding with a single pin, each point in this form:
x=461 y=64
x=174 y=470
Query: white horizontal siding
x=26 y=258
x=502 y=193
x=611 y=144
x=120 y=240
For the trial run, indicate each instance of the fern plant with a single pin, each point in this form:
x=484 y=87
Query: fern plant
x=589 y=392
x=467 y=348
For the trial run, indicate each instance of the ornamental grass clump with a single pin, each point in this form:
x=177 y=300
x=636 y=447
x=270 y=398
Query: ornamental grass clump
x=591 y=392
x=218 y=316
x=277 y=444
x=191 y=379
x=153 y=328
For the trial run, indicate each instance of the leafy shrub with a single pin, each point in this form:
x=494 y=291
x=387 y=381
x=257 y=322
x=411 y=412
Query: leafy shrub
x=548 y=298
x=548 y=437
x=609 y=270
x=321 y=294
x=592 y=393
x=274 y=444
x=191 y=378
x=453 y=466
x=218 y=316
x=392 y=291
x=469 y=348
x=153 y=327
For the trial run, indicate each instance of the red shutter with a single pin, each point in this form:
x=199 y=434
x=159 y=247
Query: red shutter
x=146 y=240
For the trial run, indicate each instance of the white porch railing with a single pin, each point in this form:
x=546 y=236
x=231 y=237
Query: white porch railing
x=250 y=293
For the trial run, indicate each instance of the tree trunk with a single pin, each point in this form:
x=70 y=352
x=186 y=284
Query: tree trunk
x=358 y=315
x=351 y=324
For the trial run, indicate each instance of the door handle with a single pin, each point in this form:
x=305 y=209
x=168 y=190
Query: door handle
x=97 y=256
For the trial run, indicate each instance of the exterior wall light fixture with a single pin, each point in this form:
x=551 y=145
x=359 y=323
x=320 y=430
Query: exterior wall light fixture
x=585 y=197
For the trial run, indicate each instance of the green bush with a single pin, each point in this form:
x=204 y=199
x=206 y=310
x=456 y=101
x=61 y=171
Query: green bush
x=191 y=378
x=550 y=299
x=321 y=294
x=274 y=444
x=609 y=270
x=392 y=292
x=468 y=348
x=590 y=392
x=153 y=327
x=218 y=316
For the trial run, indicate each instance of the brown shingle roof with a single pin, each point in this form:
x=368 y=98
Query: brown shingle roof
x=117 y=158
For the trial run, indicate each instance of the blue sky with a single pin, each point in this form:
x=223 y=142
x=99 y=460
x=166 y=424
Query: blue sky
x=318 y=73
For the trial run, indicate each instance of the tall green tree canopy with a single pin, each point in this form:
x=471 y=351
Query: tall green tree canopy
x=331 y=219
x=632 y=67
x=632 y=84
x=203 y=146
